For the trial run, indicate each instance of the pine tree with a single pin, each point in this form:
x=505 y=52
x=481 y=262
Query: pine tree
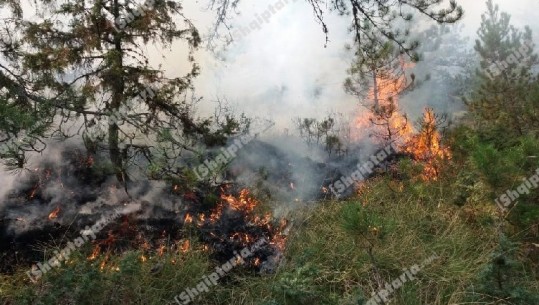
x=87 y=63
x=377 y=78
x=505 y=76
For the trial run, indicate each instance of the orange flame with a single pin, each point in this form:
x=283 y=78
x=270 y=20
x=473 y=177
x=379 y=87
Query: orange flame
x=383 y=120
x=386 y=123
x=426 y=147
x=95 y=253
x=247 y=204
x=243 y=203
x=34 y=190
x=161 y=250
x=185 y=246
x=54 y=214
x=104 y=262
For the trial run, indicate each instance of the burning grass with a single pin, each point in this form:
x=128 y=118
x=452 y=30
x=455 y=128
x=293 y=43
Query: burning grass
x=326 y=258
x=47 y=212
x=231 y=225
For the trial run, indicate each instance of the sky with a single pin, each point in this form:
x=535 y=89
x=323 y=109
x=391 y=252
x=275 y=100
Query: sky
x=284 y=70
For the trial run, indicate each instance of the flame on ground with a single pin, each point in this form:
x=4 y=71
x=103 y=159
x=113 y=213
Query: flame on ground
x=236 y=221
x=54 y=213
x=188 y=219
x=186 y=245
x=95 y=253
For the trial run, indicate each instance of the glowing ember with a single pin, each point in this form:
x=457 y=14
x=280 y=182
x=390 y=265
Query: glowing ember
x=104 y=262
x=95 y=253
x=279 y=239
x=185 y=246
x=90 y=161
x=202 y=218
x=257 y=262
x=188 y=219
x=161 y=250
x=54 y=214
x=33 y=193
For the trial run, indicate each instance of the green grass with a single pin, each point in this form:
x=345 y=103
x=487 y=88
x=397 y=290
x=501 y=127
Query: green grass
x=337 y=253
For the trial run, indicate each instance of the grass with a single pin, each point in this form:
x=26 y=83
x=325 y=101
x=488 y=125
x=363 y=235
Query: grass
x=337 y=253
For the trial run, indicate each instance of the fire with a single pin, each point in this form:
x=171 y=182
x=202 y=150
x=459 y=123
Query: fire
x=244 y=203
x=95 y=253
x=103 y=263
x=387 y=124
x=161 y=250
x=232 y=224
x=34 y=190
x=279 y=239
x=54 y=214
x=235 y=223
x=188 y=218
x=186 y=245
x=426 y=147
x=383 y=119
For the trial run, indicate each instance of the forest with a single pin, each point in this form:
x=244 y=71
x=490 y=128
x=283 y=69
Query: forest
x=288 y=152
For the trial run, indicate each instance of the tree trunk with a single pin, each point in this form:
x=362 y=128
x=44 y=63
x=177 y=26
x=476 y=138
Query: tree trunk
x=118 y=87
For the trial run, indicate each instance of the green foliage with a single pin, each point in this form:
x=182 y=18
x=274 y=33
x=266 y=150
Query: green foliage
x=487 y=170
x=298 y=286
x=90 y=69
x=408 y=170
x=331 y=133
x=324 y=262
x=501 y=105
x=83 y=282
x=22 y=125
x=364 y=222
x=504 y=278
